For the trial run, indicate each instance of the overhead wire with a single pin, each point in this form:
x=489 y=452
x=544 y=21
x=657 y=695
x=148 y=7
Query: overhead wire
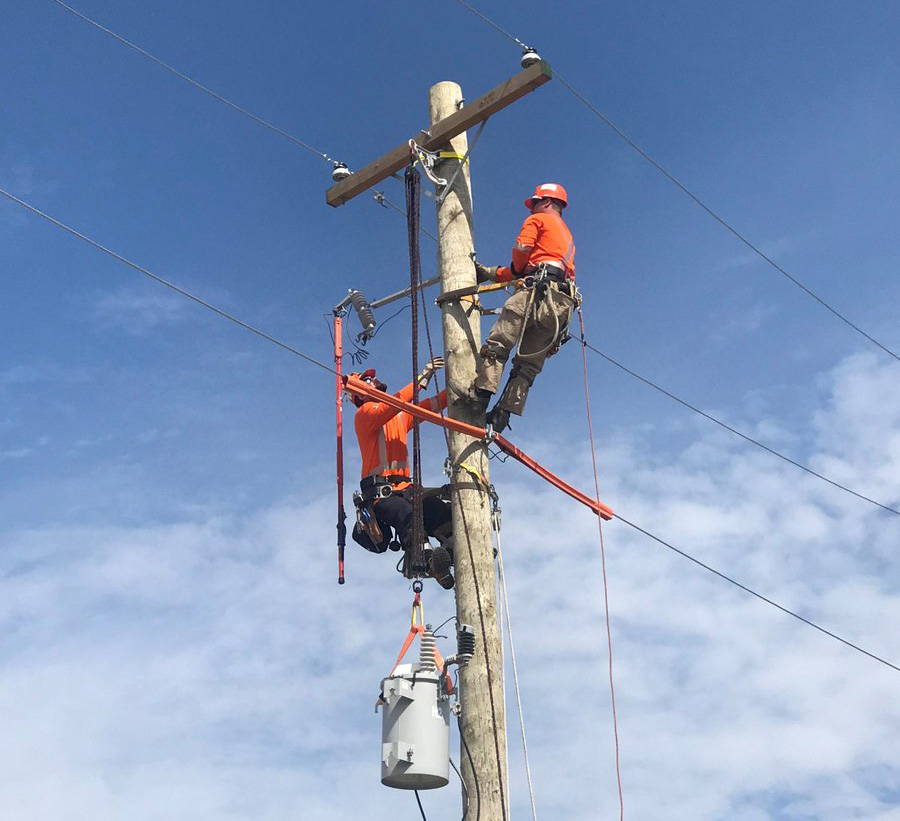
x=419 y=802
x=736 y=432
x=193 y=82
x=759 y=596
x=323 y=366
x=139 y=268
x=673 y=179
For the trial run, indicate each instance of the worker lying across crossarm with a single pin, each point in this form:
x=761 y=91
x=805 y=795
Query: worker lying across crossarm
x=385 y=499
x=534 y=320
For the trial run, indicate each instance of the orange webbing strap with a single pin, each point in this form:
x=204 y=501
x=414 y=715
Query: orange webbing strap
x=365 y=389
x=414 y=629
x=602 y=510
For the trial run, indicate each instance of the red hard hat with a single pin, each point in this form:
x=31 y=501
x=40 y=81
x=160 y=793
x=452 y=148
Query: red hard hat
x=548 y=189
x=365 y=376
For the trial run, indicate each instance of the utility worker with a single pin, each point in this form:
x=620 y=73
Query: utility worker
x=385 y=499
x=533 y=321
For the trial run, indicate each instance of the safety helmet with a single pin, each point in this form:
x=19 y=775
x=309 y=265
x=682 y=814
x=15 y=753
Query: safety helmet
x=367 y=375
x=548 y=189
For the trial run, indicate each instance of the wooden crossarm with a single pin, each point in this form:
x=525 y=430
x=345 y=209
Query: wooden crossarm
x=441 y=133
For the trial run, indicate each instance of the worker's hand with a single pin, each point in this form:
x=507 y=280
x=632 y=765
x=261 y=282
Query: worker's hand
x=485 y=273
x=429 y=370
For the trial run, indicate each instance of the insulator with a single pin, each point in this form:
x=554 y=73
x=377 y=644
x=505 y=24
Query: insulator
x=426 y=649
x=363 y=311
x=465 y=644
x=530 y=57
x=340 y=171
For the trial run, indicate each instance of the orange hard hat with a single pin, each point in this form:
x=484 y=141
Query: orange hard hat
x=548 y=189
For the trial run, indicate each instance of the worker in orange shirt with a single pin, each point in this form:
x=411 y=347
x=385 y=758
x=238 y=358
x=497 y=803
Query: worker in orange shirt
x=534 y=320
x=384 y=503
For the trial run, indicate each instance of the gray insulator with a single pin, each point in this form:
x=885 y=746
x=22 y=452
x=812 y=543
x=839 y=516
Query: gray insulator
x=530 y=57
x=363 y=311
x=426 y=649
x=415 y=730
x=340 y=171
x=465 y=643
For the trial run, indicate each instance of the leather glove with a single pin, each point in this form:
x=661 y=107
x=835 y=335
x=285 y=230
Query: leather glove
x=429 y=370
x=485 y=273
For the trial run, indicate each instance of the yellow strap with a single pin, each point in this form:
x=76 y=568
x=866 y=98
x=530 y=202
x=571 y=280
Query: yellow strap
x=452 y=155
x=475 y=473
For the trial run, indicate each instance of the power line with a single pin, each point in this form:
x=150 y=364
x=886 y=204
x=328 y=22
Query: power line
x=194 y=83
x=736 y=432
x=161 y=281
x=759 y=596
x=673 y=179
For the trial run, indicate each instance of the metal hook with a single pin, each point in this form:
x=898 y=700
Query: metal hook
x=426 y=159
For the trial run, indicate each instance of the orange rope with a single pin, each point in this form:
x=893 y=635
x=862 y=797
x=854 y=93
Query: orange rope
x=612 y=687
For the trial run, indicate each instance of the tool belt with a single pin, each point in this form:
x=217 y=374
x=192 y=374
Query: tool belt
x=378 y=487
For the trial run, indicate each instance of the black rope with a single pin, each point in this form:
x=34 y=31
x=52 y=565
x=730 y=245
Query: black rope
x=413 y=184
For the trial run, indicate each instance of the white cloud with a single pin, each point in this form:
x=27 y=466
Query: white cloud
x=214 y=669
x=139 y=310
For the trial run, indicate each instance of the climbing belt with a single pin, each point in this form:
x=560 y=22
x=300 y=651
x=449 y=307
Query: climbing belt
x=413 y=183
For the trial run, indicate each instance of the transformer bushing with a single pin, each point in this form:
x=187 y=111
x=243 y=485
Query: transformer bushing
x=415 y=729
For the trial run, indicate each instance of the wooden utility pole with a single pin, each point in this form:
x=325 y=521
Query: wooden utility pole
x=483 y=719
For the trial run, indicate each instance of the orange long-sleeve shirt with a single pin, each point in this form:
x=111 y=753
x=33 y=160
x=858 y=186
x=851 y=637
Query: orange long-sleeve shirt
x=543 y=238
x=381 y=431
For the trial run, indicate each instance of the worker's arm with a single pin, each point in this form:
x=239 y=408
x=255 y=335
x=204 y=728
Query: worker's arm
x=521 y=251
x=377 y=414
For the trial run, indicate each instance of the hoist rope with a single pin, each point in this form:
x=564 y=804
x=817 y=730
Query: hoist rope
x=515 y=669
x=412 y=182
x=609 y=643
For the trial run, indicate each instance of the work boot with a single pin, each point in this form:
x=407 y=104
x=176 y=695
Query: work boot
x=498 y=418
x=476 y=398
x=439 y=566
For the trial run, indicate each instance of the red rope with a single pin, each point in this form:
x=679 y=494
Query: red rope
x=612 y=687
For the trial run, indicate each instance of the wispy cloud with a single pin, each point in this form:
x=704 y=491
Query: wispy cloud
x=139 y=310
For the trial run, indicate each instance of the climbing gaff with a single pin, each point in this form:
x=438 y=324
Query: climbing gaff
x=339 y=425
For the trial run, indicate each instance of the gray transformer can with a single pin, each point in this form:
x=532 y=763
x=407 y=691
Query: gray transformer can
x=415 y=730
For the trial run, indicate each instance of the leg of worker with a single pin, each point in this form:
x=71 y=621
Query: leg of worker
x=395 y=511
x=501 y=341
x=436 y=515
x=537 y=341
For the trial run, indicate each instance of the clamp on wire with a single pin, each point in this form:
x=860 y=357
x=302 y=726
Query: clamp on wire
x=426 y=160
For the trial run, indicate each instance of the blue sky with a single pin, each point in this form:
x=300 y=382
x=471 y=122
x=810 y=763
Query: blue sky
x=173 y=641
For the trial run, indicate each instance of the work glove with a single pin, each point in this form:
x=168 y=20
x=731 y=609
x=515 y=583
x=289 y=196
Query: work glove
x=429 y=370
x=485 y=273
